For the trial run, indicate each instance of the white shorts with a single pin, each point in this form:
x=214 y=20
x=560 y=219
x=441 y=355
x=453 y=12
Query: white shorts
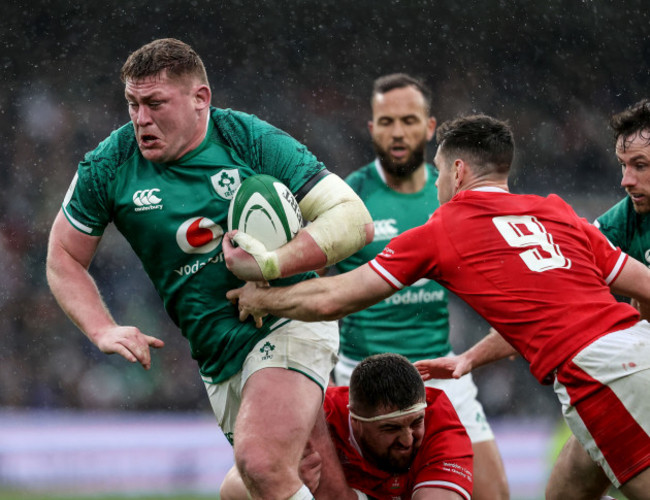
x=605 y=396
x=461 y=392
x=308 y=348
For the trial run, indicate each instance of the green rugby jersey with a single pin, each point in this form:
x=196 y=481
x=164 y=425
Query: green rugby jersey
x=174 y=215
x=414 y=321
x=627 y=229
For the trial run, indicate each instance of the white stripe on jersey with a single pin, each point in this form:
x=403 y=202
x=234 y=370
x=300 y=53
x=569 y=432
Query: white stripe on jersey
x=76 y=223
x=386 y=275
x=448 y=485
x=617 y=268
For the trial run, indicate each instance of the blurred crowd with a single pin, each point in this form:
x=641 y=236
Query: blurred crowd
x=308 y=69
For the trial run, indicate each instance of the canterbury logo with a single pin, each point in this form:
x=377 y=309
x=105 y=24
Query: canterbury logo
x=385 y=229
x=146 y=197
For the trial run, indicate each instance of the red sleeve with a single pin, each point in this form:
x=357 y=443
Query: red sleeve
x=408 y=257
x=445 y=459
x=609 y=259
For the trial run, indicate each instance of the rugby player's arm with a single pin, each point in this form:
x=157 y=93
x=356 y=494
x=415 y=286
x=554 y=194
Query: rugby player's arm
x=492 y=347
x=634 y=281
x=426 y=493
x=318 y=299
x=69 y=255
x=643 y=308
x=340 y=225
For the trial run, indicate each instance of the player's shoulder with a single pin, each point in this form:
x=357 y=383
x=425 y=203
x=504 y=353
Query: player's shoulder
x=336 y=402
x=112 y=152
x=435 y=396
x=617 y=214
x=235 y=126
x=363 y=178
x=337 y=394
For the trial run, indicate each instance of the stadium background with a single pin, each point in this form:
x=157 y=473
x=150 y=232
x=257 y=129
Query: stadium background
x=556 y=70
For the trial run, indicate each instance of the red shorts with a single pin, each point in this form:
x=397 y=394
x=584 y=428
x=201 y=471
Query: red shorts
x=605 y=396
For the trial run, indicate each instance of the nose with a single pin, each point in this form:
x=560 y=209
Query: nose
x=406 y=438
x=398 y=129
x=629 y=178
x=142 y=116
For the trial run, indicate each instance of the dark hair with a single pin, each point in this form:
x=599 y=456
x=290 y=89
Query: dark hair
x=387 y=83
x=178 y=58
x=485 y=142
x=632 y=121
x=385 y=381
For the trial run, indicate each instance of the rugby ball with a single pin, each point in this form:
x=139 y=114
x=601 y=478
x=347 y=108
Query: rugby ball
x=264 y=208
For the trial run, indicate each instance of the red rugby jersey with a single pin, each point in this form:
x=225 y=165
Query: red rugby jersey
x=529 y=265
x=444 y=459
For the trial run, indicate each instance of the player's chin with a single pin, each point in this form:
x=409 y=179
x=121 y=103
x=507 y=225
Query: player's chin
x=155 y=155
x=641 y=206
x=401 y=460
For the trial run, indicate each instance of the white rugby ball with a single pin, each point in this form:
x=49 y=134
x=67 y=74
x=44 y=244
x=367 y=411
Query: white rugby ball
x=264 y=208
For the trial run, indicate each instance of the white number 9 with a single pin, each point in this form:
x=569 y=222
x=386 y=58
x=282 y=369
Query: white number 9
x=526 y=231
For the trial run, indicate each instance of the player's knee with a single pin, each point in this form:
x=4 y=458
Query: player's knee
x=232 y=487
x=262 y=470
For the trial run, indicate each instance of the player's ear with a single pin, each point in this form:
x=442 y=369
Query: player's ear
x=459 y=172
x=370 y=126
x=431 y=127
x=202 y=96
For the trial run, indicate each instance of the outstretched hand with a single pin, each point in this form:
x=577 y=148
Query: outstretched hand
x=129 y=342
x=446 y=367
x=244 y=299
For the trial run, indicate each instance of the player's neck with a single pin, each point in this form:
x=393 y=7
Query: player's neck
x=413 y=183
x=485 y=183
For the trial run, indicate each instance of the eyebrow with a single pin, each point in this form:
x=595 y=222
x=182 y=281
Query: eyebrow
x=634 y=158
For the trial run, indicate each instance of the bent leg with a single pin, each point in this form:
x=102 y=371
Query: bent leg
x=575 y=475
x=277 y=414
x=232 y=487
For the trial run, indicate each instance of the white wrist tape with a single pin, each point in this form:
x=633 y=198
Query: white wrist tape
x=268 y=261
x=339 y=218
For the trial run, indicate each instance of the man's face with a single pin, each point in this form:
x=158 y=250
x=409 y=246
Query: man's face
x=391 y=445
x=400 y=129
x=445 y=181
x=166 y=115
x=633 y=153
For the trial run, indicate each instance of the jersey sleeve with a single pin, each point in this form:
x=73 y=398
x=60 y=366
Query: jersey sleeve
x=445 y=459
x=609 y=259
x=408 y=257
x=86 y=204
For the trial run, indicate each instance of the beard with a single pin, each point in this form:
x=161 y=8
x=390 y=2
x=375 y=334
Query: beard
x=386 y=461
x=401 y=168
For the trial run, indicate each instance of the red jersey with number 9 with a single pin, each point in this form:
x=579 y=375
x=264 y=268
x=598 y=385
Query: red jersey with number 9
x=529 y=265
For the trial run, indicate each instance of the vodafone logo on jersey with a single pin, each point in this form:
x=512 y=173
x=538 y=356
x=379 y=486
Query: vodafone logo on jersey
x=147 y=199
x=199 y=235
